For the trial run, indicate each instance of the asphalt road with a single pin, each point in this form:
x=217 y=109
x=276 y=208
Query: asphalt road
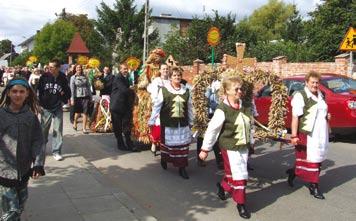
x=167 y=196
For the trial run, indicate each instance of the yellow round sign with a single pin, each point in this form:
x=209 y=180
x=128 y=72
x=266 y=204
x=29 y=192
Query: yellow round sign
x=133 y=63
x=213 y=36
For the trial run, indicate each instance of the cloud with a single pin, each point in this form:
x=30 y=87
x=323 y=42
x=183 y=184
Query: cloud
x=21 y=18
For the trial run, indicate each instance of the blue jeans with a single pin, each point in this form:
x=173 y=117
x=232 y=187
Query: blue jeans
x=57 y=136
x=12 y=201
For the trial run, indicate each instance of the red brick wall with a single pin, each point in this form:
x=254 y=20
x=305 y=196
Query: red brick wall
x=281 y=67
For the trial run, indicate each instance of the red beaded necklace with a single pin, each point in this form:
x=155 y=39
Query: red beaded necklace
x=236 y=107
x=177 y=89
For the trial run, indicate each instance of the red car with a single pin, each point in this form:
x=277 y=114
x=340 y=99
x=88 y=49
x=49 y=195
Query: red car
x=340 y=94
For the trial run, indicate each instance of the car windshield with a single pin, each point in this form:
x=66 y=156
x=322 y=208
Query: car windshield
x=340 y=84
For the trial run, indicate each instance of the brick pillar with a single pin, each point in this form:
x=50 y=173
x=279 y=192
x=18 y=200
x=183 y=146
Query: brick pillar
x=342 y=64
x=196 y=66
x=277 y=64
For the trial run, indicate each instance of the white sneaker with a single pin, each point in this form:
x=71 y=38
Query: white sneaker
x=57 y=157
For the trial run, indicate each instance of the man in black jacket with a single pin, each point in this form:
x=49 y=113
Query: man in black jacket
x=121 y=103
x=53 y=91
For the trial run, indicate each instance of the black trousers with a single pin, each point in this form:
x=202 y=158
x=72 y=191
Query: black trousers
x=121 y=123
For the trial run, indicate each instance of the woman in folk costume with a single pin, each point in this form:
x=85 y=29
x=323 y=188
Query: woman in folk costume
x=143 y=102
x=310 y=133
x=174 y=107
x=153 y=88
x=230 y=125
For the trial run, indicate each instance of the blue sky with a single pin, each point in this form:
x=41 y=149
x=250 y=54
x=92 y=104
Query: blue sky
x=21 y=18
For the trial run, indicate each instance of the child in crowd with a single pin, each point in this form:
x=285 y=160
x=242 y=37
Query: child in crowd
x=21 y=146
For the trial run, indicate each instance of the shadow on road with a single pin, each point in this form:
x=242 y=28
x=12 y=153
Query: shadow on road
x=337 y=176
x=344 y=139
x=168 y=197
x=163 y=192
x=267 y=181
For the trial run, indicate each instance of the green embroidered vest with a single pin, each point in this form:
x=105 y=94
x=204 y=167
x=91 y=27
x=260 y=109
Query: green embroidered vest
x=307 y=120
x=174 y=109
x=235 y=133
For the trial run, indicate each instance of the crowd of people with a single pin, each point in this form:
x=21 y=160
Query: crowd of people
x=41 y=94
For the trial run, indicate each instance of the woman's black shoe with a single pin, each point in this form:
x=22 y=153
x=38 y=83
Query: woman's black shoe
x=243 y=211
x=163 y=164
x=315 y=191
x=291 y=177
x=221 y=192
x=183 y=173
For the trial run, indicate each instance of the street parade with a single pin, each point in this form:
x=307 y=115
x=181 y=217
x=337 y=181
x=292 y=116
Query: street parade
x=123 y=114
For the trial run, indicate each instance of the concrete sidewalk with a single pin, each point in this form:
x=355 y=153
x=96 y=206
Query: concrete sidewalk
x=73 y=189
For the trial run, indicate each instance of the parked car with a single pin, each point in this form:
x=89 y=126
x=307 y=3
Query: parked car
x=340 y=95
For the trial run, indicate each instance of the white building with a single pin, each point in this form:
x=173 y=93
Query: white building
x=28 y=44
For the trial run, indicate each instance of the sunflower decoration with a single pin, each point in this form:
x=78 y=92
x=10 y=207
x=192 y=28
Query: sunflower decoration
x=94 y=63
x=83 y=60
x=94 y=74
x=31 y=61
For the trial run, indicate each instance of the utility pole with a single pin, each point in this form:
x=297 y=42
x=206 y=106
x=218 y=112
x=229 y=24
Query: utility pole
x=10 y=53
x=351 y=67
x=145 y=37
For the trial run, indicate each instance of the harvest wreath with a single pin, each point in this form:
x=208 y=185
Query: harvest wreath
x=276 y=126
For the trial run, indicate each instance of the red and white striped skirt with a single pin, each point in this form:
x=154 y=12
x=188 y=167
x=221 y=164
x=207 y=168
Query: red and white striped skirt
x=305 y=170
x=235 y=184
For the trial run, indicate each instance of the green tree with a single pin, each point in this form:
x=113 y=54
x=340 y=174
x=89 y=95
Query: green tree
x=53 y=41
x=294 y=27
x=21 y=58
x=194 y=45
x=327 y=27
x=266 y=23
x=5 y=47
x=175 y=45
x=295 y=52
x=122 y=28
x=273 y=30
